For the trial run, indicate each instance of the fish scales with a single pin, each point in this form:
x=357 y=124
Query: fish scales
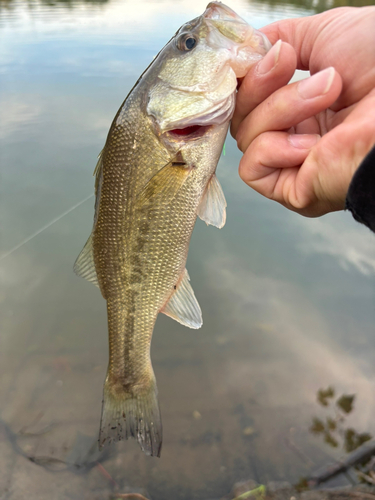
x=155 y=174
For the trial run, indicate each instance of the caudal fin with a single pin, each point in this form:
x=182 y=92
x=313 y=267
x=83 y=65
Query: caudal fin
x=126 y=415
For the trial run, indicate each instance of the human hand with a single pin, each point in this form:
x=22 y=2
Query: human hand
x=303 y=142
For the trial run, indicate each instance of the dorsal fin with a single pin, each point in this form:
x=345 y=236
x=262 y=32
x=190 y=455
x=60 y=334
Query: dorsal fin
x=84 y=265
x=98 y=172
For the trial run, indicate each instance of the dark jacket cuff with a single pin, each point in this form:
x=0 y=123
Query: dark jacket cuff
x=360 y=199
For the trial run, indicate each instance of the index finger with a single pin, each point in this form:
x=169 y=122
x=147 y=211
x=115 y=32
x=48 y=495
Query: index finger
x=291 y=105
x=272 y=72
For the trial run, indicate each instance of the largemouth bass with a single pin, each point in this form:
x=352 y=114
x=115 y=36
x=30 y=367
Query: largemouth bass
x=155 y=174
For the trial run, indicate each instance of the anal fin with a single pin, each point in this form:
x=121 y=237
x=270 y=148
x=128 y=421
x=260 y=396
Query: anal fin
x=183 y=305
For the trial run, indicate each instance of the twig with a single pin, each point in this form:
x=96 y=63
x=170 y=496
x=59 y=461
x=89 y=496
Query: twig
x=363 y=496
x=293 y=447
x=362 y=454
x=106 y=474
x=368 y=478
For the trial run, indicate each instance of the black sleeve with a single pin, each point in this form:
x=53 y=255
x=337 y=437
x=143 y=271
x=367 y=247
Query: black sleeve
x=360 y=199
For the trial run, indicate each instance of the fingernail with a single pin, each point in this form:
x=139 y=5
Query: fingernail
x=316 y=85
x=303 y=141
x=269 y=61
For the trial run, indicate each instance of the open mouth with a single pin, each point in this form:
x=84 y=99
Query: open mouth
x=219 y=114
x=191 y=132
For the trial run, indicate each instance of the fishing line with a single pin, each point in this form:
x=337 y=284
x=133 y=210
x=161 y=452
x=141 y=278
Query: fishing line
x=53 y=221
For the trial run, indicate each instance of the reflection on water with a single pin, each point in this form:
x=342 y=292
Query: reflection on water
x=32 y=4
x=315 y=6
x=288 y=303
x=335 y=427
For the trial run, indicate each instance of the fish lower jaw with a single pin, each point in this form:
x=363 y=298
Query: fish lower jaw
x=195 y=128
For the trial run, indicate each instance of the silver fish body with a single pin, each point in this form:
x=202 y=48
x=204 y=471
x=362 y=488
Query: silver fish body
x=155 y=174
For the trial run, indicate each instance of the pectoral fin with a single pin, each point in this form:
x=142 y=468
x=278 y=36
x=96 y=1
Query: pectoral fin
x=183 y=305
x=84 y=265
x=212 y=206
x=166 y=183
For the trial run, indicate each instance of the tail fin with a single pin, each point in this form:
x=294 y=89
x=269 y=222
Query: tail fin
x=126 y=415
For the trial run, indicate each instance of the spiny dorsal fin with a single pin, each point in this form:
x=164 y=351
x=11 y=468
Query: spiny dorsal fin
x=98 y=166
x=166 y=183
x=84 y=265
x=211 y=208
x=98 y=172
x=183 y=305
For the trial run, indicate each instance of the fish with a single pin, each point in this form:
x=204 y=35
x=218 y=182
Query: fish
x=154 y=177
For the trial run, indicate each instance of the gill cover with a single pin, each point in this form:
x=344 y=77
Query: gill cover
x=200 y=66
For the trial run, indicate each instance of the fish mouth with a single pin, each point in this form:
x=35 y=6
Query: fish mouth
x=246 y=44
x=191 y=132
x=195 y=127
x=217 y=10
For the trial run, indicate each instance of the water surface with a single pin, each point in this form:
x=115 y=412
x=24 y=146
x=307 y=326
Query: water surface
x=288 y=303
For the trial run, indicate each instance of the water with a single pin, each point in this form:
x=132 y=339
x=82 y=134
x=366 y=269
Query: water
x=288 y=302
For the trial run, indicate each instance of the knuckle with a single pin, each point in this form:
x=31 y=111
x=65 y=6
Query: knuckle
x=234 y=127
x=278 y=102
x=261 y=144
x=248 y=166
x=244 y=168
x=240 y=138
x=251 y=165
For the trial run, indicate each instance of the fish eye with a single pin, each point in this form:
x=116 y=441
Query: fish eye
x=186 y=42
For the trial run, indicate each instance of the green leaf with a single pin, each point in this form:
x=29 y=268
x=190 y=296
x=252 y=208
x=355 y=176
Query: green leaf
x=258 y=493
x=350 y=437
x=329 y=439
x=345 y=403
x=363 y=438
x=331 y=424
x=317 y=426
x=325 y=394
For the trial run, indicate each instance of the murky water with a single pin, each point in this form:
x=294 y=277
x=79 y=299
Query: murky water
x=288 y=303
